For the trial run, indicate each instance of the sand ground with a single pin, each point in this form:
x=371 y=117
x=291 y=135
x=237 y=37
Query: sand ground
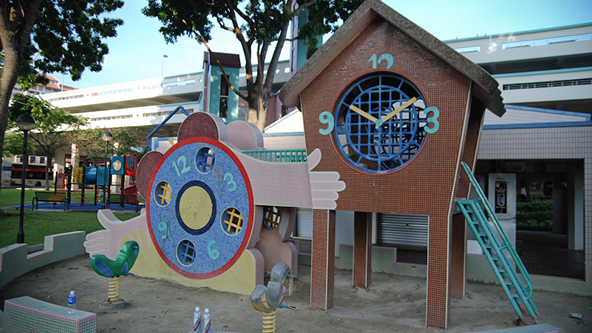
x=390 y=304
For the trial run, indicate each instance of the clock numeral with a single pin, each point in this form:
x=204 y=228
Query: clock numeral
x=181 y=160
x=432 y=120
x=162 y=226
x=213 y=253
x=229 y=178
x=385 y=56
x=326 y=117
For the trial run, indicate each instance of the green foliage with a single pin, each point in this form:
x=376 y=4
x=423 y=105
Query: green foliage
x=49 y=120
x=53 y=126
x=89 y=141
x=534 y=215
x=13 y=145
x=45 y=36
x=257 y=25
x=534 y=206
x=68 y=35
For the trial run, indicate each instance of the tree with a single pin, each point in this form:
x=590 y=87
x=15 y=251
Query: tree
x=259 y=25
x=13 y=145
x=50 y=36
x=89 y=141
x=53 y=126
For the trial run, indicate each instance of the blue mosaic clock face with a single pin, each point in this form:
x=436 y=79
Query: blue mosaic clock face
x=380 y=122
x=200 y=208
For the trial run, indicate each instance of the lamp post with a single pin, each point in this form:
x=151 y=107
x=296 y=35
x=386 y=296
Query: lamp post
x=26 y=123
x=162 y=65
x=106 y=136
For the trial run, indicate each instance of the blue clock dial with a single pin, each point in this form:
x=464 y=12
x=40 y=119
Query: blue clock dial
x=200 y=208
x=381 y=122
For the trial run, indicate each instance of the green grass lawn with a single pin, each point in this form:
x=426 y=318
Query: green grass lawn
x=12 y=197
x=37 y=225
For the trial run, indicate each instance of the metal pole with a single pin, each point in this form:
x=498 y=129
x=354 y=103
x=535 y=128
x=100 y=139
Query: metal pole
x=162 y=65
x=20 y=236
x=105 y=183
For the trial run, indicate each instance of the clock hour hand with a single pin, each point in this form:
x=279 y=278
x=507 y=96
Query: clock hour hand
x=362 y=113
x=399 y=109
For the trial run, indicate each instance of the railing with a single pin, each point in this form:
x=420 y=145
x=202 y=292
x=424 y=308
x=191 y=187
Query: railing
x=527 y=283
x=162 y=124
x=286 y=156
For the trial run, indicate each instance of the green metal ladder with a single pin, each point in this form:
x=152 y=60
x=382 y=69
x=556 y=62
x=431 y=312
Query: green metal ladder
x=498 y=250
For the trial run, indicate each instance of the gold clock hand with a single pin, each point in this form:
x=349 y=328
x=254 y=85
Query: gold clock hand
x=362 y=113
x=399 y=109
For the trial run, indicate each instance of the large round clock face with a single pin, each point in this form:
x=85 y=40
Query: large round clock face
x=380 y=122
x=200 y=208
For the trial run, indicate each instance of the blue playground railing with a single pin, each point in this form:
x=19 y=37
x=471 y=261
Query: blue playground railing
x=286 y=156
x=162 y=124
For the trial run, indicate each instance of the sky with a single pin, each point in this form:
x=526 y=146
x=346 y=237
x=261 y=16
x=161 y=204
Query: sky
x=138 y=51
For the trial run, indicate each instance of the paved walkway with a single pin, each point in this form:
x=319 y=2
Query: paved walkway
x=390 y=304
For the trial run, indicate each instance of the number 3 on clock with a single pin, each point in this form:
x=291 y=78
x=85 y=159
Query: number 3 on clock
x=432 y=120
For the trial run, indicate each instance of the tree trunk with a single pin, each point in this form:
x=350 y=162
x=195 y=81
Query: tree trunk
x=48 y=163
x=8 y=77
x=15 y=31
x=262 y=120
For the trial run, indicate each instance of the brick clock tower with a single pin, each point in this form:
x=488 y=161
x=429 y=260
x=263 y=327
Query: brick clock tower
x=394 y=111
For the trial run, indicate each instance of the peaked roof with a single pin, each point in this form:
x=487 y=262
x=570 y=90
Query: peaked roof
x=486 y=86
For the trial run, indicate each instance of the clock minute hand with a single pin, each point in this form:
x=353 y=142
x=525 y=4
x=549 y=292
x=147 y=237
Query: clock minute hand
x=362 y=113
x=399 y=109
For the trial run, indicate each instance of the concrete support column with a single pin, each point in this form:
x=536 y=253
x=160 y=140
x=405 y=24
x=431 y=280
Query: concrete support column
x=458 y=258
x=362 y=249
x=323 y=259
x=438 y=296
x=575 y=211
x=60 y=161
x=75 y=161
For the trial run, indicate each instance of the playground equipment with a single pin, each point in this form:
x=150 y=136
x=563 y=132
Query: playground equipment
x=123 y=166
x=268 y=299
x=498 y=250
x=113 y=269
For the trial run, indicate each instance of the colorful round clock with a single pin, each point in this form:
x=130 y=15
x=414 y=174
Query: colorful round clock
x=380 y=122
x=201 y=208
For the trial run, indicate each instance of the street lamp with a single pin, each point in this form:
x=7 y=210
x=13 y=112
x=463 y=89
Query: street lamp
x=26 y=123
x=162 y=65
x=106 y=136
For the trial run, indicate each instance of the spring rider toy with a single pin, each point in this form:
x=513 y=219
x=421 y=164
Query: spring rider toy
x=113 y=269
x=268 y=299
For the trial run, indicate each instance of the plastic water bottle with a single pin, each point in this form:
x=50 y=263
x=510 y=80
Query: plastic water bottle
x=206 y=321
x=71 y=303
x=197 y=320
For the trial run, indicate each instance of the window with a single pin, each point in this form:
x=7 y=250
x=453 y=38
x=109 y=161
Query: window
x=223 y=99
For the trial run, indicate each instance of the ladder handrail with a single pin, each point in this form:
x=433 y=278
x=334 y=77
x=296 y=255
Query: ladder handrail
x=488 y=255
x=499 y=228
x=476 y=217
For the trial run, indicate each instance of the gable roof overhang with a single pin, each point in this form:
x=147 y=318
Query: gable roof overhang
x=484 y=85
